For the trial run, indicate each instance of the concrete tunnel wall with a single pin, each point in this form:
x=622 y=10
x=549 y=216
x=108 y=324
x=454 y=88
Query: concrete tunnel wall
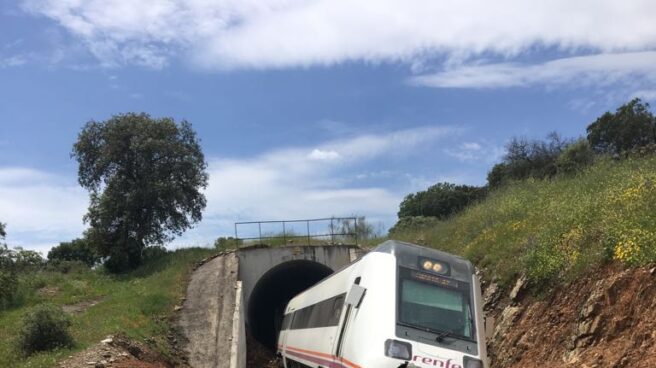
x=271 y=276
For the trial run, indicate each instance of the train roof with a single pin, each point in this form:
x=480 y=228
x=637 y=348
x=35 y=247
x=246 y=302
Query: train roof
x=408 y=253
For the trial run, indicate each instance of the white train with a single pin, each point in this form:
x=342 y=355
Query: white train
x=399 y=306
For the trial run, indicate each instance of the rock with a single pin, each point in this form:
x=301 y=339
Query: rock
x=91 y=363
x=519 y=287
x=508 y=316
x=177 y=308
x=99 y=365
x=108 y=340
x=491 y=296
x=652 y=271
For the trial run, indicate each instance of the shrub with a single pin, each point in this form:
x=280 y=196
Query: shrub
x=441 y=200
x=76 y=250
x=8 y=287
x=44 y=328
x=225 y=243
x=153 y=252
x=576 y=156
x=528 y=159
x=8 y=278
x=412 y=224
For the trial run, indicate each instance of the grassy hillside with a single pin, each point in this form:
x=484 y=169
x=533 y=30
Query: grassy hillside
x=136 y=304
x=555 y=229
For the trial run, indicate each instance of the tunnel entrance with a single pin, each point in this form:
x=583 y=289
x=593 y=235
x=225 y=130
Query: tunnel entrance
x=272 y=293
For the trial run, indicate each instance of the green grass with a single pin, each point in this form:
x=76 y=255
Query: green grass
x=556 y=230
x=136 y=304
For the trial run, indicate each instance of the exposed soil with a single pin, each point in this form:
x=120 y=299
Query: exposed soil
x=117 y=352
x=81 y=306
x=605 y=320
x=257 y=355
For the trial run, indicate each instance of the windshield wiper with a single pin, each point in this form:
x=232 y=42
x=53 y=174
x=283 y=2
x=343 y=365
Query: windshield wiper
x=441 y=334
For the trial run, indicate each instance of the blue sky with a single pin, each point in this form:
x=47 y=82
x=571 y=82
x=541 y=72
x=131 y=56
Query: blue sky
x=305 y=108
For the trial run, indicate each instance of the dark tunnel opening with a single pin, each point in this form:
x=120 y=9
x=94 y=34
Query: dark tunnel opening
x=272 y=293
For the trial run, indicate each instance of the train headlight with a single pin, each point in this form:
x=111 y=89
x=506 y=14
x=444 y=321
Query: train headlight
x=473 y=363
x=428 y=265
x=398 y=350
x=434 y=266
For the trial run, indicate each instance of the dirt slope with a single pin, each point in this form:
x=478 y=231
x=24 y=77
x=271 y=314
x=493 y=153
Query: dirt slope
x=605 y=320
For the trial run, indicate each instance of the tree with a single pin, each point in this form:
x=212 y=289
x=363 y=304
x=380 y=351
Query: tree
x=631 y=126
x=145 y=177
x=441 y=200
x=3 y=233
x=75 y=250
x=528 y=159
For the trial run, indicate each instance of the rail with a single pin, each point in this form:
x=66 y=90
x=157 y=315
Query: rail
x=322 y=231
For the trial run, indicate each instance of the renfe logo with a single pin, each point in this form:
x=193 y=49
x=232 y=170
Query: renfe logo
x=436 y=362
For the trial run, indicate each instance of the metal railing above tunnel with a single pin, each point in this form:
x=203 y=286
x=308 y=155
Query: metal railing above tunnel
x=319 y=232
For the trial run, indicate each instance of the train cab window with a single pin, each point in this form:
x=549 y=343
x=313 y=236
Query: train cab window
x=435 y=307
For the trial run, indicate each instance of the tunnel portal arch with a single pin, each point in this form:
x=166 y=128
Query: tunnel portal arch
x=273 y=291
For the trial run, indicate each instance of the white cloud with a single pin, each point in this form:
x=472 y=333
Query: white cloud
x=647 y=95
x=39 y=207
x=290 y=184
x=42 y=209
x=284 y=33
x=16 y=60
x=600 y=69
x=321 y=155
x=475 y=152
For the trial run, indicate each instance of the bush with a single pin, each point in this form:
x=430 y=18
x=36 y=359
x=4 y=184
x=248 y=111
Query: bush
x=8 y=288
x=441 y=200
x=153 y=252
x=8 y=278
x=76 y=250
x=576 y=156
x=528 y=159
x=73 y=267
x=413 y=224
x=44 y=328
x=226 y=243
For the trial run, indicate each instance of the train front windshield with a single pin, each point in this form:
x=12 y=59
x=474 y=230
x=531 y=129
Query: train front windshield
x=435 y=304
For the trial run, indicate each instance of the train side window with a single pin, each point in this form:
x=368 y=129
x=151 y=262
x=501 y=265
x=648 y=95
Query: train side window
x=323 y=314
x=286 y=321
x=336 y=311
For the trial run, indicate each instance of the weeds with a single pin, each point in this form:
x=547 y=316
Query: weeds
x=556 y=229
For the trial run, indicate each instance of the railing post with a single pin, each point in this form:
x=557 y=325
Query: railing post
x=284 y=234
x=332 y=231
x=259 y=225
x=308 y=232
x=355 y=229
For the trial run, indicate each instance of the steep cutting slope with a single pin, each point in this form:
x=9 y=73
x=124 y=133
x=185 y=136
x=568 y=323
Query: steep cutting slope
x=605 y=320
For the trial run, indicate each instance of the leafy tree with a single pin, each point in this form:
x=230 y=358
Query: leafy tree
x=145 y=177
x=3 y=232
x=441 y=200
x=75 y=250
x=631 y=126
x=528 y=159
